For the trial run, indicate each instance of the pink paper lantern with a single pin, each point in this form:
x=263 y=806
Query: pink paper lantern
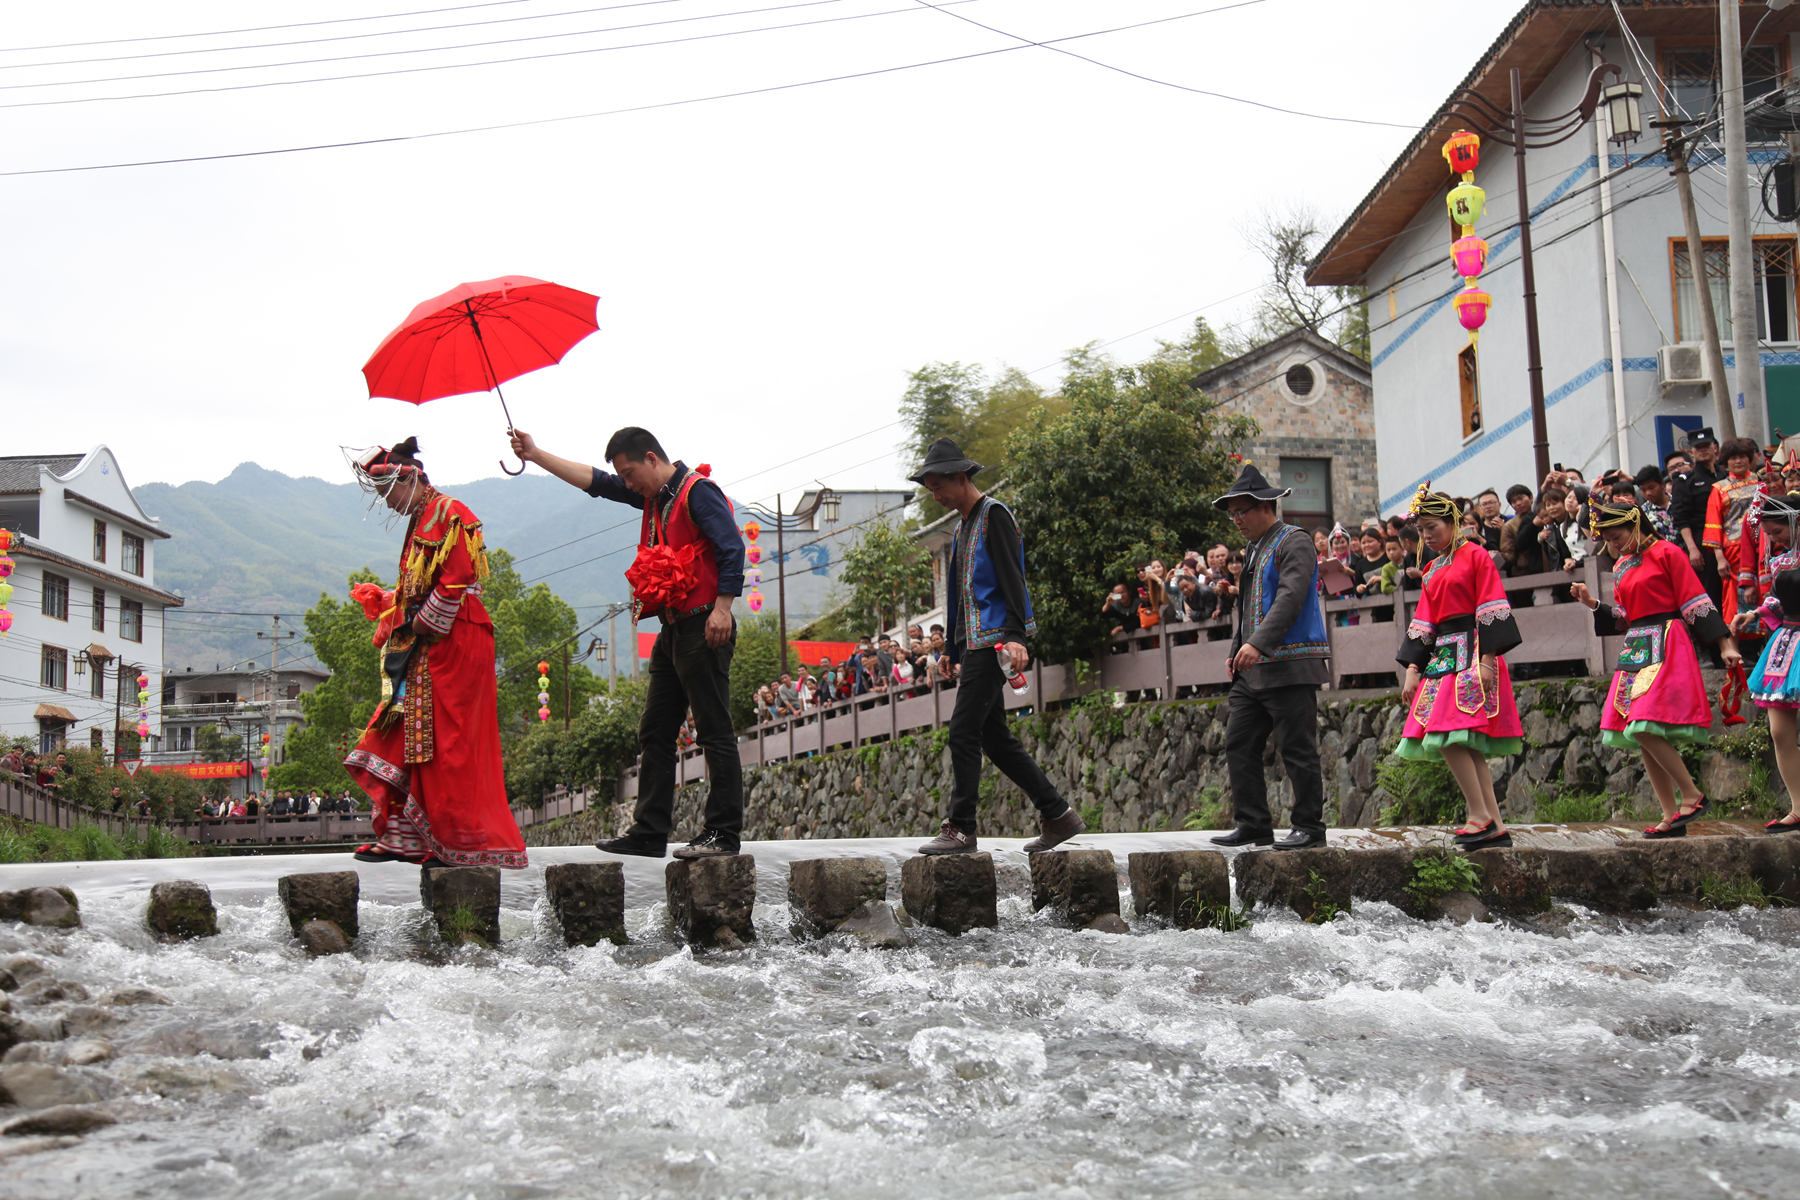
x=1472 y=308
x=5 y=620
x=6 y=566
x=755 y=601
x=544 y=714
x=1470 y=256
x=753 y=553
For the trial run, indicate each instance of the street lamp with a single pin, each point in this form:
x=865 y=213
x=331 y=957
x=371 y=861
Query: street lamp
x=1511 y=127
x=824 y=501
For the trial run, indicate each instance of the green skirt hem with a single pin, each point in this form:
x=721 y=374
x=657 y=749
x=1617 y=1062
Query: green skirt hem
x=1680 y=735
x=1431 y=746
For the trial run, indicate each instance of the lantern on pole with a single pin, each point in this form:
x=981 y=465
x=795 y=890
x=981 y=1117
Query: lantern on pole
x=753 y=554
x=1469 y=254
x=6 y=569
x=1463 y=152
x=543 y=696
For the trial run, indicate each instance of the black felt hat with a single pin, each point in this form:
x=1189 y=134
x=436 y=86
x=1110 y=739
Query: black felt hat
x=1250 y=482
x=945 y=458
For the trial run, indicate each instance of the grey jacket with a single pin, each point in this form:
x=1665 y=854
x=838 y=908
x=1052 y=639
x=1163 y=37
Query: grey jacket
x=1295 y=565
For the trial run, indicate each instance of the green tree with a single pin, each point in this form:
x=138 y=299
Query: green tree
x=1287 y=242
x=1127 y=473
x=532 y=625
x=214 y=747
x=338 y=709
x=957 y=401
x=1200 y=351
x=603 y=742
x=887 y=575
x=755 y=661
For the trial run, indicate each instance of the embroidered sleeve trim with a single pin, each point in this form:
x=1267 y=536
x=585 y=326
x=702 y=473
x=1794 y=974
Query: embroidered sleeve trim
x=439 y=612
x=1421 y=631
x=1699 y=606
x=1493 y=610
x=1618 y=614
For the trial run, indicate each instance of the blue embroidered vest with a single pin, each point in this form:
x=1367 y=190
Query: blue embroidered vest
x=1306 y=637
x=976 y=606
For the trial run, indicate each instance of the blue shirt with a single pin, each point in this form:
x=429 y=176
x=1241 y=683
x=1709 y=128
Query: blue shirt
x=711 y=513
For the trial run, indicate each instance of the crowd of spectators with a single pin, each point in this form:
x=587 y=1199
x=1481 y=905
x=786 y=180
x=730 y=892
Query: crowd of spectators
x=310 y=802
x=878 y=666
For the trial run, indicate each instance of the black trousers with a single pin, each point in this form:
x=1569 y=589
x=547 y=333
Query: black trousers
x=977 y=724
x=686 y=673
x=1292 y=713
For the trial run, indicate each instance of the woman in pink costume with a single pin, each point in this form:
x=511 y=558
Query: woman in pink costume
x=1458 y=692
x=1657 y=702
x=1775 y=683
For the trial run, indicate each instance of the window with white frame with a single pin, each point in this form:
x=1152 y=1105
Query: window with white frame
x=131 y=553
x=53 y=668
x=131 y=620
x=56 y=596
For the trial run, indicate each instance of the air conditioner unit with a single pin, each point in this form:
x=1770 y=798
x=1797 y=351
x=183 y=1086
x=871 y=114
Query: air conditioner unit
x=1682 y=372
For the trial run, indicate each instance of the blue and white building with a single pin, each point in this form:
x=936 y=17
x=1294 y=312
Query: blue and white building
x=1620 y=333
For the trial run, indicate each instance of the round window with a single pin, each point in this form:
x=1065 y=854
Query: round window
x=1300 y=383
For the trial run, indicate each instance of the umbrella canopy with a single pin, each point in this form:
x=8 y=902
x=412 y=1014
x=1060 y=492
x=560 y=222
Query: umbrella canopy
x=477 y=336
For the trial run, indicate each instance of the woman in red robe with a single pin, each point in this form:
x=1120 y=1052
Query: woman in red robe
x=1658 y=702
x=1458 y=692
x=430 y=758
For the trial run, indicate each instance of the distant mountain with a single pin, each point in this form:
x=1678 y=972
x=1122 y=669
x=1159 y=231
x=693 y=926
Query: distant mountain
x=259 y=541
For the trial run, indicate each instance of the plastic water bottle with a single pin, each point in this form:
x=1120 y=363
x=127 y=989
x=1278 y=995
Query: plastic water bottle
x=1014 y=680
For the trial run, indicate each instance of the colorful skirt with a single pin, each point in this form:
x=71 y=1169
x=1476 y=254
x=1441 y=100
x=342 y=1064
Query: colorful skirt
x=1657 y=689
x=1455 y=710
x=1775 y=683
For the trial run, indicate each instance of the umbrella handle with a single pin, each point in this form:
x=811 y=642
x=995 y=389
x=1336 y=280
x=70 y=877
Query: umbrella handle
x=509 y=470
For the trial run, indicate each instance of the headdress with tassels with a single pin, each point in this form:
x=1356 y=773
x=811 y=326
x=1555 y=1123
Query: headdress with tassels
x=1614 y=514
x=1427 y=503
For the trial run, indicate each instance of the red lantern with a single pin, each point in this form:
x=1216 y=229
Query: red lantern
x=1463 y=151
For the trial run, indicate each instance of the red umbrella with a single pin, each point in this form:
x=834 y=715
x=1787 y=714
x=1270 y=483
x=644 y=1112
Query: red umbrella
x=476 y=336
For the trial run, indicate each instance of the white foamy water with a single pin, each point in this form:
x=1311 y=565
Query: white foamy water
x=1376 y=1056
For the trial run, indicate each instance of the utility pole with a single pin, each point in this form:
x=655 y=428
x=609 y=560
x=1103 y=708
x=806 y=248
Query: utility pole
x=1675 y=149
x=1744 y=339
x=565 y=687
x=275 y=639
x=781 y=582
x=612 y=658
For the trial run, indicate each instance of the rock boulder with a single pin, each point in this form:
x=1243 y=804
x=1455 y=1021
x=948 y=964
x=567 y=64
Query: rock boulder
x=465 y=903
x=1078 y=885
x=712 y=901
x=181 y=909
x=321 y=895
x=1177 y=885
x=589 y=901
x=951 y=892
x=823 y=893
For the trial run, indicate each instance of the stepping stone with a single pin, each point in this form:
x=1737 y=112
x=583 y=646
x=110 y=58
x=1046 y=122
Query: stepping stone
x=181 y=909
x=1080 y=885
x=712 y=901
x=1176 y=884
x=951 y=892
x=465 y=903
x=321 y=896
x=823 y=893
x=1307 y=881
x=589 y=901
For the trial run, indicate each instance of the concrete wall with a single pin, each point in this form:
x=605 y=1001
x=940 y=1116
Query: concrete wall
x=1415 y=336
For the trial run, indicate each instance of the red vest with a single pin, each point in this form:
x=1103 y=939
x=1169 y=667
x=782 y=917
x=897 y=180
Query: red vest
x=698 y=584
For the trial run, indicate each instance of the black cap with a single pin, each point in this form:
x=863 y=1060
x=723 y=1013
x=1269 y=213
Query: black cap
x=1702 y=436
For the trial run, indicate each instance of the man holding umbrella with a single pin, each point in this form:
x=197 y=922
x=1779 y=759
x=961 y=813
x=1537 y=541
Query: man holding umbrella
x=689 y=569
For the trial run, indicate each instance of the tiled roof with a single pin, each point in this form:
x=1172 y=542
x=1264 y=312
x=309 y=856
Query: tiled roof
x=20 y=473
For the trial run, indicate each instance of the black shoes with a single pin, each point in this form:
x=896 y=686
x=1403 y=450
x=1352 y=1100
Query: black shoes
x=1244 y=837
x=634 y=844
x=712 y=843
x=1682 y=817
x=1055 y=832
x=1297 y=840
x=1673 y=831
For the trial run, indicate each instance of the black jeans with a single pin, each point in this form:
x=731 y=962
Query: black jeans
x=687 y=673
x=978 y=723
x=1253 y=715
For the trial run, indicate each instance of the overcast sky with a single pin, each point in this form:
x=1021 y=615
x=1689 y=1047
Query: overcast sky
x=770 y=267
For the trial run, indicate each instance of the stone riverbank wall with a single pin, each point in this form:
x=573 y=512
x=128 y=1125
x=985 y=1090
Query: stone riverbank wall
x=1152 y=766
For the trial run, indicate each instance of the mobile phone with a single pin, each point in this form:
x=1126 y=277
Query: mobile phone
x=1556 y=466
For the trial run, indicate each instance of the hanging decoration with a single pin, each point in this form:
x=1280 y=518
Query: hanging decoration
x=752 y=554
x=1468 y=253
x=143 y=725
x=6 y=589
x=543 y=691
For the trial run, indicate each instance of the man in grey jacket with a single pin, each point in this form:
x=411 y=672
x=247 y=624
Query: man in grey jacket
x=1278 y=663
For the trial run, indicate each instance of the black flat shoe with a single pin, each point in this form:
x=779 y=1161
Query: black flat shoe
x=1682 y=818
x=628 y=844
x=1466 y=836
x=1672 y=832
x=1300 y=841
x=372 y=853
x=1243 y=837
x=1487 y=841
x=1780 y=826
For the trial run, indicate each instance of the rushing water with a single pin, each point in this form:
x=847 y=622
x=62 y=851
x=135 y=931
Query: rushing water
x=1375 y=1056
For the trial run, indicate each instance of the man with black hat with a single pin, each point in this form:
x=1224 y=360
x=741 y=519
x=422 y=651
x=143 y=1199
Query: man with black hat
x=989 y=617
x=1688 y=492
x=1277 y=666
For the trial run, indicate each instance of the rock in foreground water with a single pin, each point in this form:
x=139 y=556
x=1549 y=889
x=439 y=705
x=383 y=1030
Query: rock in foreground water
x=1179 y=885
x=181 y=908
x=465 y=902
x=589 y=901
x=951 y=892
x=319 y=937
x=67 y=1118
x=43 y=1085
x=1078 y=885
x=875 y=926
x=320 y=895
x=712 y=901
x=823 y=893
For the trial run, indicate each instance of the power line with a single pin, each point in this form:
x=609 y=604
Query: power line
x=165 y=37
x=346 y=37
x=539 y=121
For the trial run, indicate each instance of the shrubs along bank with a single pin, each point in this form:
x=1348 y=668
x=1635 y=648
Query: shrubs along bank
x=1146 y=767
x=24 y=842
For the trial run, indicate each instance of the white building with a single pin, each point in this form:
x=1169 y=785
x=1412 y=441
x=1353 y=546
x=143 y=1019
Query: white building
x=86 y=609
x=1617 y=296
x=247 y=702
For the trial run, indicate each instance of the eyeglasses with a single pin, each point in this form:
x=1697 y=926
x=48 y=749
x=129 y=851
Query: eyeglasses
x=1238 y=514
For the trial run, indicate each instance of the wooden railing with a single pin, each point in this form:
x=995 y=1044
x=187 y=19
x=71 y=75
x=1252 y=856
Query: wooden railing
x=1155 y=663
